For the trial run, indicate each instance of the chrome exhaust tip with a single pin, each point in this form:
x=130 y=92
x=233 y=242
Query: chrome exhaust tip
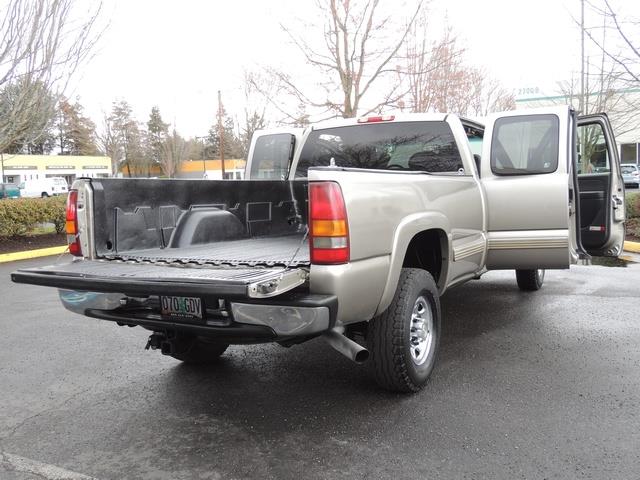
x=347 y=347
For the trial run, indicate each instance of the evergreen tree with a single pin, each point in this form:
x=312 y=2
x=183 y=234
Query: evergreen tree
x=129 y=138
x=157 y=133
x=233 y=147
x=76 y=133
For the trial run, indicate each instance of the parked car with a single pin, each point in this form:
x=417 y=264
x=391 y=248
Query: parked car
x=630 y=174
x=44 y=187
x=351 y=236
x=9 y=190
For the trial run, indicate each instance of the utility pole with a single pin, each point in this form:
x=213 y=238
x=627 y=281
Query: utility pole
x=581 y=103
x=221 y=134
x=2 y=173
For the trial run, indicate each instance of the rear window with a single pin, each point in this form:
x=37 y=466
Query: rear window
x=271 y=156
x=408 y=146
x=628 y=168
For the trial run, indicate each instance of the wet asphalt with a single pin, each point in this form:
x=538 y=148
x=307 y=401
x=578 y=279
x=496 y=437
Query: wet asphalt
x=528 y=385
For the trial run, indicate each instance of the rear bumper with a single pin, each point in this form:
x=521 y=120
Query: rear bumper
x=243 y=321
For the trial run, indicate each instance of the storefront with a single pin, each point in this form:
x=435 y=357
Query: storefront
x=16 y=169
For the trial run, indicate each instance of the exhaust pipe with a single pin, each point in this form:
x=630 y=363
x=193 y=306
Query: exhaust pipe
x=346 y=346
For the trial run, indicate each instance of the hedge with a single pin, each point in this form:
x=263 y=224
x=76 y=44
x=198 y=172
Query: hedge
x=21 y=215
x=632 y=204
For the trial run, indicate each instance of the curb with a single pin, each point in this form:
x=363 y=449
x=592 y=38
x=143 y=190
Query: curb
x=632 y=247
x=40 y=252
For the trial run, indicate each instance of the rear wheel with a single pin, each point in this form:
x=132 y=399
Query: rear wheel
x=530 y=280
x=44 y=195
x=198 y=350
x=404 y=340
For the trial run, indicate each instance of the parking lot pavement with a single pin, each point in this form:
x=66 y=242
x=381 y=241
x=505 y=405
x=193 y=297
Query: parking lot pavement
x=528 y=385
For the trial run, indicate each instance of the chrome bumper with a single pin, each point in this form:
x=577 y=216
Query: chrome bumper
x=297 y=315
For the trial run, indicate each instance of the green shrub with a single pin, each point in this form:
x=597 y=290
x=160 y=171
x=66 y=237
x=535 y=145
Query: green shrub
x=20 y=216
x=633 y=227
x=632 y=205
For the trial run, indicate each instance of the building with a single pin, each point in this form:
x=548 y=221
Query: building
x=18 y=168
x=626 y=125
x=202 y=169
x=234 y=169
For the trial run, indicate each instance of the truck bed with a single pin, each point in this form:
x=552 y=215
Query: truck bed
x=288 y=250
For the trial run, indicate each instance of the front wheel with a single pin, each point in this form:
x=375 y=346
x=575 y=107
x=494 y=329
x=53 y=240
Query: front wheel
x=530 y=280
x=404 y=340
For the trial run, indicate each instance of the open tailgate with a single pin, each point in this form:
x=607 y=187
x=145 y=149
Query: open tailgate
x=154 y=279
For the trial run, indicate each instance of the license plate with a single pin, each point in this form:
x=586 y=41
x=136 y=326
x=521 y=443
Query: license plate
x=186 y=307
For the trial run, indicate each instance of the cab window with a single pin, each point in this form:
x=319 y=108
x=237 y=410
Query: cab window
x=411 y=146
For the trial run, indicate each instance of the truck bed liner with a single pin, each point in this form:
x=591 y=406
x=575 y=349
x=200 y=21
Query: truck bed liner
x=290 y=250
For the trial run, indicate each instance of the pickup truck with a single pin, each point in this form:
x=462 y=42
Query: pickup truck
x=350 y=231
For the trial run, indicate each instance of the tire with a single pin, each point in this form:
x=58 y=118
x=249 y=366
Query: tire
x=530 y=280
x=397 y=362
x=198 y=351
x=44 y=195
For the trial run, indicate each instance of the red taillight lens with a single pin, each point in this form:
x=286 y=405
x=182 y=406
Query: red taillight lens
x=329 y=230
x=73 y=237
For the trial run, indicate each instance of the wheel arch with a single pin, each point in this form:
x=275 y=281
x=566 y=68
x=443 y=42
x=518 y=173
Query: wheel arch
x=414 y=242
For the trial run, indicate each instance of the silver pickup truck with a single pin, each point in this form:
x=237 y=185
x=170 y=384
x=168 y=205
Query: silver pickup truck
x=350 y=231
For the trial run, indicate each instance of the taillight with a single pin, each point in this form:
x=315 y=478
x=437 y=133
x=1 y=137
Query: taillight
x=329 y=230
x=71 y=226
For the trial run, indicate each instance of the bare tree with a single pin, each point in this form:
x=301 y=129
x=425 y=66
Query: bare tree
x=611 y=73
x=110 y=144
x=174 y=153
x=41 y=45
x=353 y=58
x=441 y=80
x=624 y=51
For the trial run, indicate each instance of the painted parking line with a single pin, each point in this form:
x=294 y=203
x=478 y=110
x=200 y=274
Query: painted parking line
x=632 y=246
x=11 y=462
x=40 y=252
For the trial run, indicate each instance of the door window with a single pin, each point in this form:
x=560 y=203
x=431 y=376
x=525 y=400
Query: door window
x=525 y=145
x=271 y=156
x=592 y=150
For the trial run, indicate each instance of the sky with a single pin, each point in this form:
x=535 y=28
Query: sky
x=178 y=54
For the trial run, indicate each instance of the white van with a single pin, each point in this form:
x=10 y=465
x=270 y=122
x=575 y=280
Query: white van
x=44 y=187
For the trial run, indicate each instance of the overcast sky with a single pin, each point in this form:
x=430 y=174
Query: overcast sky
x=177 y=54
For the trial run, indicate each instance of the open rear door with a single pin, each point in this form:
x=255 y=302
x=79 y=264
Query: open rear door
x=600 y=213
x=271 y=152
x=525 y=174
